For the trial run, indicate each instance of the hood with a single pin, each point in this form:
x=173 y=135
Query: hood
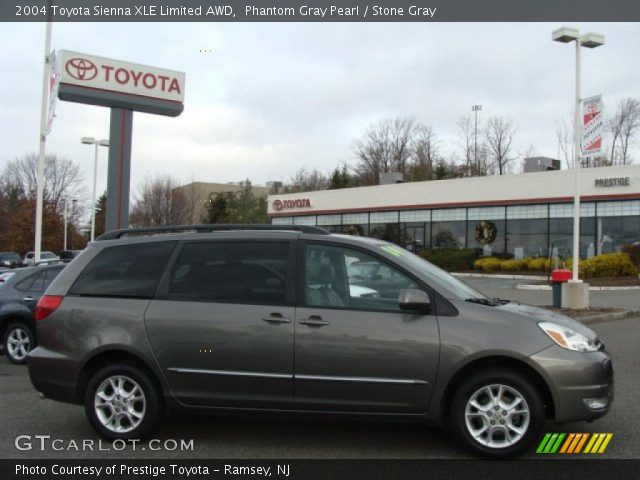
x=542 y=315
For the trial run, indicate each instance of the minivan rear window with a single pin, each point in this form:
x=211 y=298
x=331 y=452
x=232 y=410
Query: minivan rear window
x=131 y=271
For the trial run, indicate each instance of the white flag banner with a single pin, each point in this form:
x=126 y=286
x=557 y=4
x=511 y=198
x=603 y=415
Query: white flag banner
x=592 y=126
x=54 y=83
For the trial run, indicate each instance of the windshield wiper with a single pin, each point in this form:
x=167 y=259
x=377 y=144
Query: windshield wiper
x=501 y=301
x=483 y=301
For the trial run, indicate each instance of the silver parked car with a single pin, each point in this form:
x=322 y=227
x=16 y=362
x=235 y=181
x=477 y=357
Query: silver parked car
x=266 y=318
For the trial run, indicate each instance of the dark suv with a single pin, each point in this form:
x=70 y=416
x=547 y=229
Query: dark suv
x=274 y=318
x=18 y=297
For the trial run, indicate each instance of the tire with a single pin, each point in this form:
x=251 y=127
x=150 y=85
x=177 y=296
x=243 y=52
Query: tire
x=19 y=340
x=122 y=402
x=510 y=434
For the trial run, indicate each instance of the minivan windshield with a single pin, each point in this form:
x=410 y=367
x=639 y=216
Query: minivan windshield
x=442 y=281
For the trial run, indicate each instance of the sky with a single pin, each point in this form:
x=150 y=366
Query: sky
x=265 y=99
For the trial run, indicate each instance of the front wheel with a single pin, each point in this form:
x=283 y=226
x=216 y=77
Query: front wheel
x=19 y=340
x=121 y=402
x=498 y=413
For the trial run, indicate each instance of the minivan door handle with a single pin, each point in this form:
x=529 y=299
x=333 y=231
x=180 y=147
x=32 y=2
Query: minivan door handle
x=276 y=318
x=313 y=321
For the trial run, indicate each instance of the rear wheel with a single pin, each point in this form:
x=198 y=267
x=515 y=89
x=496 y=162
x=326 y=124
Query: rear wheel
x=498 y=413
x=19 y=340
x=122 y=402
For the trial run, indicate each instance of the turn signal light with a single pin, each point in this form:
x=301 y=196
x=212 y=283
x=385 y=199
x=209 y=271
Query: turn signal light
x=46 y=306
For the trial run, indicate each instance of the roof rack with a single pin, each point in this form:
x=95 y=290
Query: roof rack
x=131 y=232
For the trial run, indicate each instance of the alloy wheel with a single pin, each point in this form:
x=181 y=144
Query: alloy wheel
x=497 y=416
x=18 y=343
x=120 y=404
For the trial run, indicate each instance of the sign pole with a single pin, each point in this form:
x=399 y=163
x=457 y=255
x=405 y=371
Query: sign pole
x=119 y=169
x=41 y=151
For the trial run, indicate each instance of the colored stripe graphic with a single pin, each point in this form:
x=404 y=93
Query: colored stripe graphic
x=573 y=443
x=606 y=441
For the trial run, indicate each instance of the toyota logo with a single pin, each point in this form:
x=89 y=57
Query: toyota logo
x=277 y=205
x=81 y=69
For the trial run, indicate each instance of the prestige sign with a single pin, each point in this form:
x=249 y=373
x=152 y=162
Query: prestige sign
x=109 y=75
x=612 y=182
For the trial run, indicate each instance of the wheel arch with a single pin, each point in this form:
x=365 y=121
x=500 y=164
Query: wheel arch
x=110 y=357
x=511 y=363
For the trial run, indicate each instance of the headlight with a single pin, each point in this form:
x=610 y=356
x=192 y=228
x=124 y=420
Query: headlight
x=567 y=338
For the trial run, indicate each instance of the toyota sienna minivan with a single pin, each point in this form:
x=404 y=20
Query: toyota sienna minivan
x=296 y=319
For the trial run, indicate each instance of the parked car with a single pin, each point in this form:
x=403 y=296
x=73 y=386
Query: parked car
x=45 y=257
x=5 y=275
x=11 y=260
x=18 y=297
x=67 y=255
x=263 y=318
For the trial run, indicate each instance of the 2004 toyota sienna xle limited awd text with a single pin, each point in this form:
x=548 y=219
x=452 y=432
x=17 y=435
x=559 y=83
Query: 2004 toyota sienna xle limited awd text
x=293 y=318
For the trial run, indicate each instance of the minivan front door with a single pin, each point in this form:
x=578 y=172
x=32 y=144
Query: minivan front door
x=355 y=349
x=221 y=326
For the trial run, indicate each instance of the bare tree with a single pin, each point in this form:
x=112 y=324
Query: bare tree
x=304 y=181
x=386 y=147
x=424 y=153
x=623 y=127
x=499 y=136
x=566 y=144
x=62 y=178
x=158 y=203
x=474 y=154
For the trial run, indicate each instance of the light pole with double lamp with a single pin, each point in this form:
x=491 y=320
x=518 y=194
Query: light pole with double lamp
x=96 y=143
x=579 y=298
x=476 y=109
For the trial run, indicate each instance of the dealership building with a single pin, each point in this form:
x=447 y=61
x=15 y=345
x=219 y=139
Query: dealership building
x=523 y=215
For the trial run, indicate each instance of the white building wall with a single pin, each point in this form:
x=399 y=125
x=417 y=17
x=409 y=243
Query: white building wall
x=550 y=186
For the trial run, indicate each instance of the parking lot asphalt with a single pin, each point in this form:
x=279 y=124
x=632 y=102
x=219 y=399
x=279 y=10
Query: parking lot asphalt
x=505 y=288
x=261 y=437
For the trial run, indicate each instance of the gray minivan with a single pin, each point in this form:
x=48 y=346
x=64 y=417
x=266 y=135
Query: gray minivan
x=295 y=319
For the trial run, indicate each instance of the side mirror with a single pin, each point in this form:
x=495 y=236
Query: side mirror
x=414 y=300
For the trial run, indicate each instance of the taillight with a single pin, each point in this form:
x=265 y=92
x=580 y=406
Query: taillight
x=46 y=306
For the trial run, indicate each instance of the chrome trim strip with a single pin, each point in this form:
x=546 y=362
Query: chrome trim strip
x=362 y=379
x=323 y=378
x=231 y=373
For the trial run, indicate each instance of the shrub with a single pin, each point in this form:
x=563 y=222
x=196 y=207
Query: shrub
x=538 y=264
x=513 y=265
x=487 y=264
x=608 y=265
x=450 y=259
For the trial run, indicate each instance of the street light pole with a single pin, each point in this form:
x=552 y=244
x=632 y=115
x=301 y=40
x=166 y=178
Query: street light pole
x=590 y=40
x=96 y=143
x=577 y=131
x=476 y=108
x=41 y=151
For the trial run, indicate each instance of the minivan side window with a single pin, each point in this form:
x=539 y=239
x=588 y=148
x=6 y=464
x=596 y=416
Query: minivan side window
x=131 y=271
x=340 y=277
x=231 y=272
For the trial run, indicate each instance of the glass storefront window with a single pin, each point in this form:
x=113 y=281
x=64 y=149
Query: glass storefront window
x=486 y=236
x=448 y=234
x=416 y=235
x=616 y=232
x=527 y=237
x=561 y=237
x=389 y=232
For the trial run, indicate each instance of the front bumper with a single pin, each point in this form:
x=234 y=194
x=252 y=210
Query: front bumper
x=574 y=377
